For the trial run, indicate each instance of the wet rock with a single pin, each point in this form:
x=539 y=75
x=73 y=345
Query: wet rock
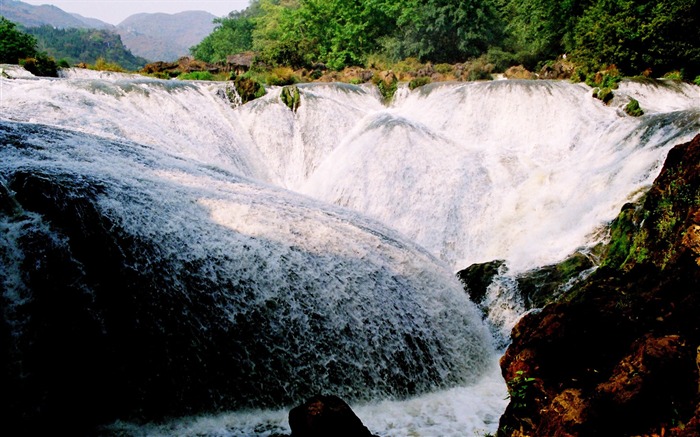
x=617 y=355
x=324 y=416
x=477 y=277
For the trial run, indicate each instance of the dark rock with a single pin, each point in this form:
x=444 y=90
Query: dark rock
x=617 y=354
x=477 y=277
x=325 y=416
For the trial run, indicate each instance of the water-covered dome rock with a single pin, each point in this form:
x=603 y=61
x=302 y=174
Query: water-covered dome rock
x=136 y=284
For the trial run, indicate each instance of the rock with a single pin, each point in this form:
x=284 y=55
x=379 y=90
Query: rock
x=559 y=69
x=477 y=277
x=617 y=354
x=325 y=416
x=519 y=72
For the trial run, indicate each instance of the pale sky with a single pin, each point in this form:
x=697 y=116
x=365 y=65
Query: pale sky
x=115 y=11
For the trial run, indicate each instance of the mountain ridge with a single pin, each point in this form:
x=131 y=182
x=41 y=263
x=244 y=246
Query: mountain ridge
x=154 y=36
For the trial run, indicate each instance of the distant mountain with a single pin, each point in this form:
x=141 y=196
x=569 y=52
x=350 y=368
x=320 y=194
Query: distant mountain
x=93 y=23
x=157 y=37
x=33 y=16
x=165 y=37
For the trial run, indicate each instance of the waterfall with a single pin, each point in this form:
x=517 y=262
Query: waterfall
x=210 y=258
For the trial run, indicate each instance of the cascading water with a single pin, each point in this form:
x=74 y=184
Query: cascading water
x=206 y=288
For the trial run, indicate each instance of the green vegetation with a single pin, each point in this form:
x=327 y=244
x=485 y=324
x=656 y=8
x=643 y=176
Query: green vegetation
x=290 y=97
x=637 y=36
x=86 y=46
x=197 y=75
x=14 y=44
x=518 y=388
x=19 y=47
x=633 y=109
x=418 y=82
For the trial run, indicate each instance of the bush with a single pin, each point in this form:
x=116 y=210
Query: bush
x=249 y=89
x=633 y=108
x=102 y=65
x=604 y=94
x=674 y=75
x=281 y=76
x=697 y=81
x=418 y=82
x=41 y=65
x=62 y=63
x=290 y=97
x=196 y=75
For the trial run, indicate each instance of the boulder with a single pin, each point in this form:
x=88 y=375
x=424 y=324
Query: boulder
x=324 y=416
x=617 y=354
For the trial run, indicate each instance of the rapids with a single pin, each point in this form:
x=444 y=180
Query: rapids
x=319 y=244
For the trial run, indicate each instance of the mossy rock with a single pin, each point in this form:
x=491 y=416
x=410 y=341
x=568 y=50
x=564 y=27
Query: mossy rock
x=477 y=277
x=419 y=82
x=290 y=96
x=633 y=109
x=542 y=286
x=248 y=89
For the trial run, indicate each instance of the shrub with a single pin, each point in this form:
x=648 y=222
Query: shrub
x=281 y=76
x=196 y=75
x=603 y=94
x=249 y=89
x=290 y=97
x=674 y=75
x=418 y=82
x=41 y=65
x=634 y=109
x=102 y=65
x=62 y=63
x=697 y=81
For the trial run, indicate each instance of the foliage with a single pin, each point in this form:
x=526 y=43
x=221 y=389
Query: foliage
x=290 y=97
x=101 y=64
x=518 y=388
x=633 y=108
x=697 y=81
x=41 y=65
x=418 y=82
x=248 y=88
x=637 y=35
x=449 y=31
x=233 y=34
x=85 y=45
x=15 y=44
x=197 y=75
x=674 y=75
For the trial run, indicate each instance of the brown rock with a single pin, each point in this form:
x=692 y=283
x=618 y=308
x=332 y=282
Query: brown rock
x=325 y=416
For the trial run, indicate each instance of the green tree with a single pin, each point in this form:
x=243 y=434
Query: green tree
x=233 y=34
x=661 y=35
x=448 y=30
x=14 y=44
x=539 y=30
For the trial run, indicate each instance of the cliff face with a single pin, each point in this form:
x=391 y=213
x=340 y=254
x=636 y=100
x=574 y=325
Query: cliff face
x=619 y=354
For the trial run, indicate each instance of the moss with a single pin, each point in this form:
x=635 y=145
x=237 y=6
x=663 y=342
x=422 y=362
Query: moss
x=248 y=89
x=633 y=109
x=290 y=97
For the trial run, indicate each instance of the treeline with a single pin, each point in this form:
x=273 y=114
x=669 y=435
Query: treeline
x=19 y=47
x=655 y=36
x=86 y=46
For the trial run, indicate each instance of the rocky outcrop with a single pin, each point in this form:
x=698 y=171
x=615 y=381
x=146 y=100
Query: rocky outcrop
x=618 y=354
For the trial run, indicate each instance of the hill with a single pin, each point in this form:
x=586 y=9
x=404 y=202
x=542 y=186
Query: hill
x=33 y=16
x=165 y=37
x=159 y=36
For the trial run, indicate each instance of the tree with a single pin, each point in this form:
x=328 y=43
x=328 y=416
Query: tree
x=448 y=30
x=661 y=35
x=14 y=44
x=233 y=34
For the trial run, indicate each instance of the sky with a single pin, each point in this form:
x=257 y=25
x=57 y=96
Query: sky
x=115 y=11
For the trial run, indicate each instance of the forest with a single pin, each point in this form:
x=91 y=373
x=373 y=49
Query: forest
x=637 y=36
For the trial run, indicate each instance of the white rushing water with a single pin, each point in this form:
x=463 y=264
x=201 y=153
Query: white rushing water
x=522 y=171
